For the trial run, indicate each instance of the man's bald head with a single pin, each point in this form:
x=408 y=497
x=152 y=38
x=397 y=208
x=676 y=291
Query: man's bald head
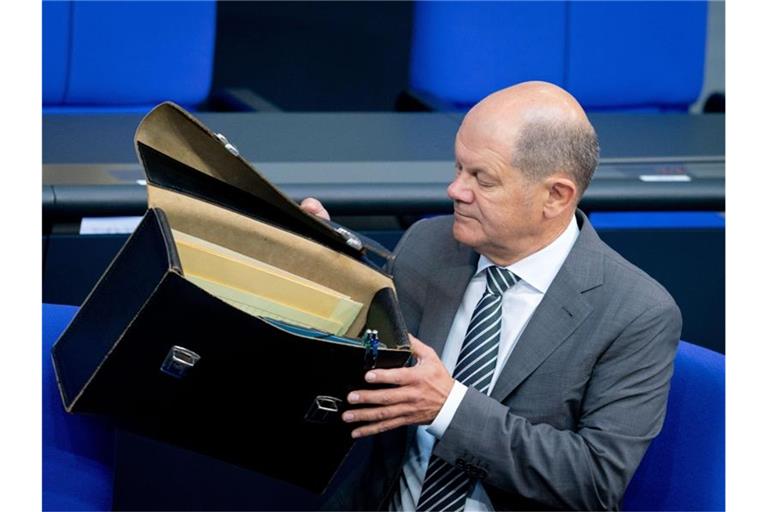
x=544 y=127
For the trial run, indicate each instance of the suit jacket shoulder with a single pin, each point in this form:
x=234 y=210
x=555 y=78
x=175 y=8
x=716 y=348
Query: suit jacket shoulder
x=428 y=251
x=429 y=265
x=624 y=290
x=431 y=240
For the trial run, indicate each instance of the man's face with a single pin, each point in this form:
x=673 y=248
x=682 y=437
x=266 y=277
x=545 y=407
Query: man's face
x=495 y=207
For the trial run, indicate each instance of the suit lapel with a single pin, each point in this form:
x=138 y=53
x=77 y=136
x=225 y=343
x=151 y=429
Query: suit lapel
x=560 y=312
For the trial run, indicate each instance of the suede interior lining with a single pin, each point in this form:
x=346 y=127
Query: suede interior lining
x=169 y=130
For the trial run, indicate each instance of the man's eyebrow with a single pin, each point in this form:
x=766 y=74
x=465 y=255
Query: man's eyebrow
x=476 y=169
x=472 y=168
x=468 y=168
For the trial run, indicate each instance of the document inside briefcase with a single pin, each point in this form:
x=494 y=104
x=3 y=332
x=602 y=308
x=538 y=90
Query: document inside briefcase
x=231 y=323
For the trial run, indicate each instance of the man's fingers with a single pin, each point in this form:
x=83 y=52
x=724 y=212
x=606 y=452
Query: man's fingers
x=396 y=376
x=378 y=427
x=379 y=396
x=375 y=413
x=419 y=349
x=315 y=207
x=311 y=205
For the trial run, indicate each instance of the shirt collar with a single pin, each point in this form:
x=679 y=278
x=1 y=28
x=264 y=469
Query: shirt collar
x=540 y=268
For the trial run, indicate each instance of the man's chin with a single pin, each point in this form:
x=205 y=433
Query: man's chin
x=461 y=230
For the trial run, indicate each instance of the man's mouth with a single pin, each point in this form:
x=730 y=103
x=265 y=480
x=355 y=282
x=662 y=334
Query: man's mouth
x=459 y=214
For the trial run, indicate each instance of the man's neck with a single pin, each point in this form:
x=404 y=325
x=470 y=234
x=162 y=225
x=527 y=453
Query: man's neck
x=549 y=235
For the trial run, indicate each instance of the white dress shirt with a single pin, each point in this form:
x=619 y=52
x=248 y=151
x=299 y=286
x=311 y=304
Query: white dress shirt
x=536 y=273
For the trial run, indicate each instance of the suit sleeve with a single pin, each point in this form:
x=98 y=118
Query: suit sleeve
x=590 y=467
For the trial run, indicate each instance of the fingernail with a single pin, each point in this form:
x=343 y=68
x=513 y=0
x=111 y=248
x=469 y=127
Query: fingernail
x=355 y=434
x=353 y=397
x=348 y=416
x=370 y=376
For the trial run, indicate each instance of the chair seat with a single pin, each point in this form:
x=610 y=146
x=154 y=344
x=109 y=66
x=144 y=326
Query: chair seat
x=684 y=468
x=77 y=449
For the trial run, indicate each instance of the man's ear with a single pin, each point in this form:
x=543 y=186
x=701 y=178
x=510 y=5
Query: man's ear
x=562 y=194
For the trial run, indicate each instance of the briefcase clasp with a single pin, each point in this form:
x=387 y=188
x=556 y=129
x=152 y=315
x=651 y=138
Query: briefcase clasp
x=350 y=239
x=179 y=361
x=228 y=145
x=324 y=409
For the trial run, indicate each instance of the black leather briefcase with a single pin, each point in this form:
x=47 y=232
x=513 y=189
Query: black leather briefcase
x=166 y=359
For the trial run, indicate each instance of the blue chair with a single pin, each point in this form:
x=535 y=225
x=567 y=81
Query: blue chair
x=630 y=56
x=126 y=56
x=77 y=450
x=684 y=468
x=636 y=55
x=461 y=51
x=57 y=23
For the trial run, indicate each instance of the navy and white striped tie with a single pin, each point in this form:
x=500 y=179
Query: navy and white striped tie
x=446 y=487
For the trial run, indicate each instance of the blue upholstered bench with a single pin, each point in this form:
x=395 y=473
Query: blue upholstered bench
x=610 y=55
x=126 y=56
x=684 y=468
x=77 y=450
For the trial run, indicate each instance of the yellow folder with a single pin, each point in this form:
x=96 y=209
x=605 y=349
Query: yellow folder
x=262 y=289
x=257 y=305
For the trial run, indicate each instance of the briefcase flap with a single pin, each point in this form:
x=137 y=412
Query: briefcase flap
x=182 y=155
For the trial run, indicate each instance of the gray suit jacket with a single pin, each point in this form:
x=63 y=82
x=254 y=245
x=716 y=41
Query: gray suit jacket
x=582 y=394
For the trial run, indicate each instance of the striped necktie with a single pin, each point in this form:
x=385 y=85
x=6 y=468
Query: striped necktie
x=445 y=487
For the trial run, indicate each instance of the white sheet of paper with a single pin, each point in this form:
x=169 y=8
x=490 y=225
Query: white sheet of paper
x=108 y=225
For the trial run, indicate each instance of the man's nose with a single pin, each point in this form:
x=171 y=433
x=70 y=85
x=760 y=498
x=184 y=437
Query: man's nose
x=458 y=191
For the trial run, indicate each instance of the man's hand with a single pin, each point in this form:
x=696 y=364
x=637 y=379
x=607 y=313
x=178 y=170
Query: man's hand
x=420 y=394
x=315 y=207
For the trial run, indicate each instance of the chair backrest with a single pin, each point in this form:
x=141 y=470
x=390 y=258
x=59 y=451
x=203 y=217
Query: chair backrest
x=77 y=450
x=123 y=56
x=609 y=55
x=684 y=468
x=461 y=51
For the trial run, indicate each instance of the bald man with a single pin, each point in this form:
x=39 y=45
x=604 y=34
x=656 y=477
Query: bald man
x=544 y=358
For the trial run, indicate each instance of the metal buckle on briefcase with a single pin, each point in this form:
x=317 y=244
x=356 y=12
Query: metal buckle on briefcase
x=324 y=409
x=178 y=361
x=228 y=145
x=350 y=239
